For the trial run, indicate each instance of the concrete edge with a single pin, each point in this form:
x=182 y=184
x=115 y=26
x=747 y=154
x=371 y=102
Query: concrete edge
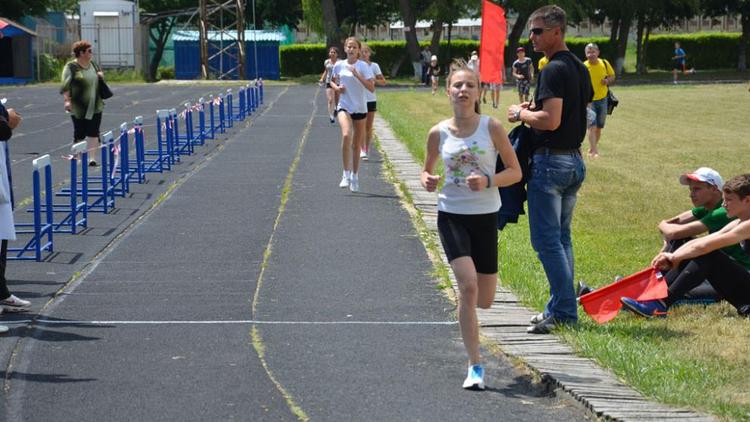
x=596 y=388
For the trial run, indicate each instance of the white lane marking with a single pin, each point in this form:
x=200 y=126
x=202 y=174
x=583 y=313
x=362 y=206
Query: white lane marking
x=218 y=322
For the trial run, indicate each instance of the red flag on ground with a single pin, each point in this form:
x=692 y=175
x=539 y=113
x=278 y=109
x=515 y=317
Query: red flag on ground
x=603 y=304
x=492 y=43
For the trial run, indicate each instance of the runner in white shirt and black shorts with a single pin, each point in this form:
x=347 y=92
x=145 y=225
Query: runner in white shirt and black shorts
x=469 y=144
x=372 y=104
x=351 y=78
x=325 y=78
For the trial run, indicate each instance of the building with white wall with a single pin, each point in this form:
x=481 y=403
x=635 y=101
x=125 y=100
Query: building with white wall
x=110 y=26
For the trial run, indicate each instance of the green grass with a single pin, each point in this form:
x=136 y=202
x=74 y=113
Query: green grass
x=696 y=358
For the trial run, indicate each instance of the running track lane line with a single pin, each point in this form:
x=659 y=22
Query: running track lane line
x=43 y=321
x=255 y=336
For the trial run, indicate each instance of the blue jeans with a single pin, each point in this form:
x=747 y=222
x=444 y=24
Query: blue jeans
x=552 y=188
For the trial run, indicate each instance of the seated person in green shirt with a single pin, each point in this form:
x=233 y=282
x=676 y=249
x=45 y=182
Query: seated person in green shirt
x=708 y=260
x=708 y=215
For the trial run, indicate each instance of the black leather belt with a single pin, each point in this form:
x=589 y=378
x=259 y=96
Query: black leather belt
x=558 y=151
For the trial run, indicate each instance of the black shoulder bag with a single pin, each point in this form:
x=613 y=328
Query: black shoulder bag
x=612 y=101
x=104 y=91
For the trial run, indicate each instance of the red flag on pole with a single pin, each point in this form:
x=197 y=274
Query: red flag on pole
x=603 y=304
x=492 y=43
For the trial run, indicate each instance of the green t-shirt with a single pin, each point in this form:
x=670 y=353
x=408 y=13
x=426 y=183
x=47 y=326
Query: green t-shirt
x=715 y=220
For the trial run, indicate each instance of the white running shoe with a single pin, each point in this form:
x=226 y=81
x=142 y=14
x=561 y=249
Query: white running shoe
x=15 y=304
x=363 y=154
x=344 y=182
x=354 y=183
x=536 y=319
x=475 y=378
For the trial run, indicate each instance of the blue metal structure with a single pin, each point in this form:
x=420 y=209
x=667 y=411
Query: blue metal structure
x=187 y=54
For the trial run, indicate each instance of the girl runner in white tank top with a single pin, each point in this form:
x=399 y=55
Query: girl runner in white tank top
x=468 y=144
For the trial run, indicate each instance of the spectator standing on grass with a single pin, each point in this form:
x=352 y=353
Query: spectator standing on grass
x=558 y=117
x=473 y=62
x=372 y=104
x=706 y=259
x=523 y=71
x=434 y=73
x=325 y=78
x=351 y=78
x=80 y=88
x=9 y=120
x=425 y=54
x=469 y=143
x=679 y=62
x=602 y=76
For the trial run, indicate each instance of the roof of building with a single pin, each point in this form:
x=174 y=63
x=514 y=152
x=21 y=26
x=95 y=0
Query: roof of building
x=10 y=28
x=250 y=35
x=428 y=24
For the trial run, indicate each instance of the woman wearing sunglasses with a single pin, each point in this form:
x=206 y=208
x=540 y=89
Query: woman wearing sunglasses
x=80 y=88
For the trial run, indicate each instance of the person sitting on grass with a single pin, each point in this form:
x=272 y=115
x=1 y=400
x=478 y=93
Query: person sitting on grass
x=707 y=260
x=707 y=216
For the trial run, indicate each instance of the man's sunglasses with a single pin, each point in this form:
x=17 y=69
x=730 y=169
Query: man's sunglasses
x=538 y=31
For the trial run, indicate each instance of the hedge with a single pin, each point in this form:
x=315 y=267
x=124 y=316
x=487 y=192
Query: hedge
x=704 y=50
x=306 y=59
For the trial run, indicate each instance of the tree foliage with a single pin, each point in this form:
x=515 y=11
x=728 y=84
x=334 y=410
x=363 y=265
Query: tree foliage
x=274 y=12
x=733 y=7
x=16 y=9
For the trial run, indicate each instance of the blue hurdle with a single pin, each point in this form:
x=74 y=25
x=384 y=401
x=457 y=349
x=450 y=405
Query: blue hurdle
x=181 y=148
x=248 y=100
x=241 y=106
x=78 y=199
x=222 y=115
x=164 y=141
x=105 y=192
x=38 y=229
x=230 y=108
x=202 y=131
x=212 y=119
x=256 y=96
x=119 y=173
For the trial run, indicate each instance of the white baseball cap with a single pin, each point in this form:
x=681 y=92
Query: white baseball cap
x=433 y=58
x=704 y=174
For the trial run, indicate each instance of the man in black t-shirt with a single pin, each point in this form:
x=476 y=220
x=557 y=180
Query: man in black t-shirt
x=558 y=117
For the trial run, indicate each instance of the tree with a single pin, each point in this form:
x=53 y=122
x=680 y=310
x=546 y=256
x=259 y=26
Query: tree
x=733 y=7
x=440 y=12
x=161 y=16
x=338 y=19
x=16 y=9
x=274 y=12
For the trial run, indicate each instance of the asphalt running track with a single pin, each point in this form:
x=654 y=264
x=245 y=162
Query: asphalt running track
x=255 y=290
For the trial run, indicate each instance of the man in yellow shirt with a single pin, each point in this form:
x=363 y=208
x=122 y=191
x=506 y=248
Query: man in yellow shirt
x=602 y=75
